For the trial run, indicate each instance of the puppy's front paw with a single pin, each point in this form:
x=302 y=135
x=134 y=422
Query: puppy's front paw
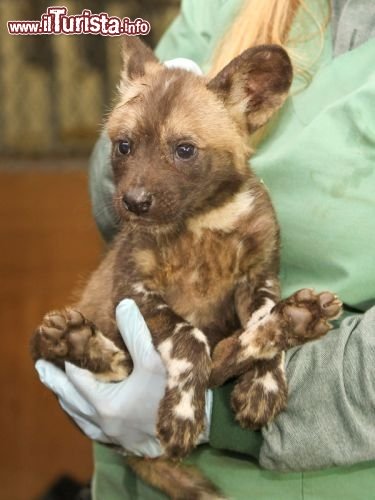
x=308 y=314
x=180 y=420
x=182 y=409
x=68 y=336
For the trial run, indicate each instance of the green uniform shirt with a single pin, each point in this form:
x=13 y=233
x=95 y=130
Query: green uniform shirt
x=318 y=164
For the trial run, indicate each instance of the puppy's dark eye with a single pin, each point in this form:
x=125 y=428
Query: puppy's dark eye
x=124 y=147
x=185 y=151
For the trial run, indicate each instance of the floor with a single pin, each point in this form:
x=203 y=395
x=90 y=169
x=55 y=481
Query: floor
x=48 y=246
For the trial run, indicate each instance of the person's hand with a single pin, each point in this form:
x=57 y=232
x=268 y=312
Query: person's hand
x=122 y=413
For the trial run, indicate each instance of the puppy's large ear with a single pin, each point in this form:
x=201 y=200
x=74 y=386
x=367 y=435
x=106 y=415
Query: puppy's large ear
x=255 y=84
x=137 y=60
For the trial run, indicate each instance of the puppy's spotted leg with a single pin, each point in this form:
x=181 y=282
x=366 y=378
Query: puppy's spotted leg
x=186 y=355
x=253 y=307
x=68 y=336
x=260 y=393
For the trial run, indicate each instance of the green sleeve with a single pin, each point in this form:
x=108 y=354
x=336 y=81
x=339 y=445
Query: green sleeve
x=101 y=187
x=225 y=433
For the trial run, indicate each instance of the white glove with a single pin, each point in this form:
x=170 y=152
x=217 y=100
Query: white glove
x=122 y=413
x=184 y=63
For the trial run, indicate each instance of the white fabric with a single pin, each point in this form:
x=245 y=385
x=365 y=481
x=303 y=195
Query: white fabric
x=183 y=63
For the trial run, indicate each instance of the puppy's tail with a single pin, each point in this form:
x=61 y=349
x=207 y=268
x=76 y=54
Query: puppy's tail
x=178 y=481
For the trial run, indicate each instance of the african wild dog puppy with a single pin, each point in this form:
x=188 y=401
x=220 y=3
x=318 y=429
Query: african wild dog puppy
x=197 y=248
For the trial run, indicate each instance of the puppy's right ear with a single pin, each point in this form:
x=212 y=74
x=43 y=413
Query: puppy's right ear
x=138 y=59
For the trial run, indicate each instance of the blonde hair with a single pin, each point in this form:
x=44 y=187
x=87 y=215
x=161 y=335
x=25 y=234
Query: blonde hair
x=270 y=21
x=256 y=23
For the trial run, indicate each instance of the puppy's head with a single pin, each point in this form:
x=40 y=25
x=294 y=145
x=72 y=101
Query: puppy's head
x=180 y=141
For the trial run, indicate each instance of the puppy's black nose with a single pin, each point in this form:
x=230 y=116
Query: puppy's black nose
x=137 y=201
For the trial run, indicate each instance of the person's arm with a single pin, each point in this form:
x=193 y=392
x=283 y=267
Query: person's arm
x=329 y=420
x=101 y=187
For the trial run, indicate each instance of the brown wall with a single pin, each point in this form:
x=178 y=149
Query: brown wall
x=48 y=243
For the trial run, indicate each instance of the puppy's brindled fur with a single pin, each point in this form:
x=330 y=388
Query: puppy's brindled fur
x=198 y=250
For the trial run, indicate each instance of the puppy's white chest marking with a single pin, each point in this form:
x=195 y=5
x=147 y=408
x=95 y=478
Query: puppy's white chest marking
x=226 y=217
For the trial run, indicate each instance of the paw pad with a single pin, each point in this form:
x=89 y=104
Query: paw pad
x=308 y=314
x=61 y=335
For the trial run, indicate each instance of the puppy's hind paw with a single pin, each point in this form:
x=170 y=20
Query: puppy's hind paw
x=61 y=336
x=308 y=314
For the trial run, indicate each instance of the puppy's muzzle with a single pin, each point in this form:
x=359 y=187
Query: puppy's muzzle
x=137 y=201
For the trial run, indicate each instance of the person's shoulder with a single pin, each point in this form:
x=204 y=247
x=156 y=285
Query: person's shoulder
x=211 y=6
x=210 y=13
x=197 y=28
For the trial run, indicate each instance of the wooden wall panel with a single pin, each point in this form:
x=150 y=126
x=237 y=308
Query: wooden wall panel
x=48 y=242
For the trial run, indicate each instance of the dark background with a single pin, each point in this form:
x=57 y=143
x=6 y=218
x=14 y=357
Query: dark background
x=54 y=92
